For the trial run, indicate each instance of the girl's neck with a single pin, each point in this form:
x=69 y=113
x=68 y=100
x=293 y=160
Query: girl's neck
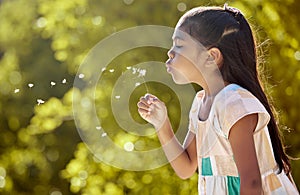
x=208 y=99
x=212 y=91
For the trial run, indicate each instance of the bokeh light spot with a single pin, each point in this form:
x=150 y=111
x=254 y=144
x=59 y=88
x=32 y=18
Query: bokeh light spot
x=2 y=182
x=85 y=102
x=129 y=146
x=98 y=20
x=5 y=88
x=128 y=2
x=131 y=183
x=41 y=22
x=52 y=155
x=297 y=55
x=15 y=77
x=83 y=174
x=289 y=90
x=147 y=179
x=56 y=192
x=2 y=172
x=13 y=123
x=298 y=74
x=181 y=6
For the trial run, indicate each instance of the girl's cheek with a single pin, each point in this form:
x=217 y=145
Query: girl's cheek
x=177 y=49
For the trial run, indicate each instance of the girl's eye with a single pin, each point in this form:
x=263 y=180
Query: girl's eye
x=177 y=43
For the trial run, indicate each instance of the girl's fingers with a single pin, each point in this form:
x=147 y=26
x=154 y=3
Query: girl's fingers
x=144 y=100
x=142 y=105
x=144 y=113
x=154 y=101
x=150 y=98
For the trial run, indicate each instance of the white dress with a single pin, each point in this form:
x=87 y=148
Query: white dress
x=218 y=173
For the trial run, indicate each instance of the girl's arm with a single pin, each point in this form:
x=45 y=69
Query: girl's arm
x=242 y=144
x=183 y=159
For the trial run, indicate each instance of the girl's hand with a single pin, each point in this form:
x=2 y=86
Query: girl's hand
x=152 y=110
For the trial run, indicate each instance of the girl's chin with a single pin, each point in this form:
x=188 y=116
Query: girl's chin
x=177 y=77
x=169 y=69
x=180 y=81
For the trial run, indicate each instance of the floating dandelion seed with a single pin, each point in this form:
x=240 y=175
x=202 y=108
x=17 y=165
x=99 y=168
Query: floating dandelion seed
x=134 y=70
x=52 y=83
x=128 y=146
x=98 y=128
x=103 y=69
x=81 y=76
x=40 y=101
x=111 y=70
x=142 y=73
x=64 y=81
x=137 y=84
x=104 y=134
x=17 y=90
x=30 y=85
x=117 y=97
x=128 y=67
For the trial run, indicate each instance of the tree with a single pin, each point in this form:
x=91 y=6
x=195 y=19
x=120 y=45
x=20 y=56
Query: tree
x=42 y=45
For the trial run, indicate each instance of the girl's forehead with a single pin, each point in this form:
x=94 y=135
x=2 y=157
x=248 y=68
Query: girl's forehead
x=179 y=34
x=182 y=35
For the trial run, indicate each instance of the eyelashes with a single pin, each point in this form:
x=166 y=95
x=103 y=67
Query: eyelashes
x=177 y=43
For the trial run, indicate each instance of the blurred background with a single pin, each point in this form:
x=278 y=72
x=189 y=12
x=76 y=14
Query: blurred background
x=42 y=44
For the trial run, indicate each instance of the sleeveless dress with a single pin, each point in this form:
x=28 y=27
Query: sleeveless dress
x=218 y=173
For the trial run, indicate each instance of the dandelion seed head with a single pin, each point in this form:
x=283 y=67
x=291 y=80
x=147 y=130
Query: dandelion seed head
x=64 y=81
x=30 y=85
x=17 y=91
x=137 y=84
x=111 y=70
x=104 y=134
x=98 y=128
x=142 y=72
x=117 y=97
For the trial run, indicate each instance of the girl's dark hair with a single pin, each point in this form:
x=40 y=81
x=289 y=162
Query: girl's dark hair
x=228 y=30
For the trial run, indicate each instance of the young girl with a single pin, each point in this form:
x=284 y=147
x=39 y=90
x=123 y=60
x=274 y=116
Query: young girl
x=233 y=139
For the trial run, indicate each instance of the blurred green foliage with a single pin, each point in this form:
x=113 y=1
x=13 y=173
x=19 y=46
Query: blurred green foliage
x=43 y=42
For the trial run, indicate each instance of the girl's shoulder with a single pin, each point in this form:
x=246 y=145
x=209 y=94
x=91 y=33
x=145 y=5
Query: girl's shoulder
x=233 y=93
x=234 y=97
x=235 y=89
x=235 y=102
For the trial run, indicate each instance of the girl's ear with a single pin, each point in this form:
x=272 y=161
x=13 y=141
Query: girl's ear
x=215 y=55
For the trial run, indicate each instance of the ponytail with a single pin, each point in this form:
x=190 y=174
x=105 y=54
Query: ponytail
x=246 y=43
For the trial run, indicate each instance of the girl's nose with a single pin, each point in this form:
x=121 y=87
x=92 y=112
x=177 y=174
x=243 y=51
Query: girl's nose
x=171 y=54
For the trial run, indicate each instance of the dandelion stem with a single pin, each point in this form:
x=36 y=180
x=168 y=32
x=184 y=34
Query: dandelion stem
x=147 y=90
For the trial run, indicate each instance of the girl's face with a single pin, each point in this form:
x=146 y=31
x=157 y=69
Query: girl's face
x=186 y=59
